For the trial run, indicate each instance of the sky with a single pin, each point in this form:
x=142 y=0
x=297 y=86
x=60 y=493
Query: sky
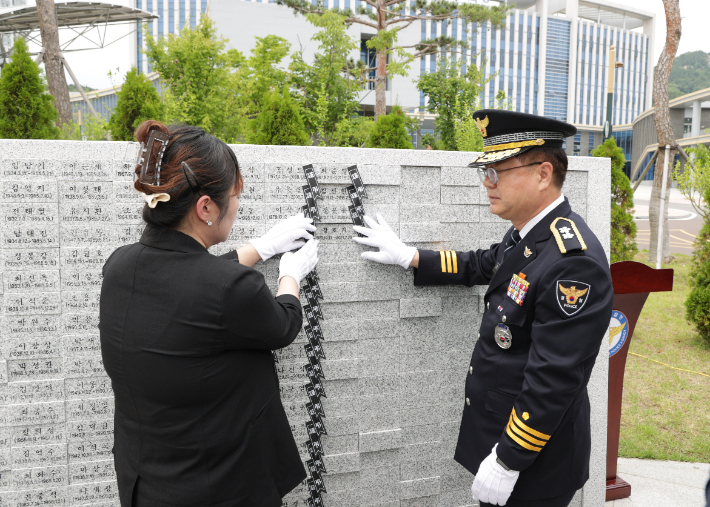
x=92 y=67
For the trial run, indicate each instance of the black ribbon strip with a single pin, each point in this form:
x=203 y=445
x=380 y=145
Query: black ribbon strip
x=315 y=426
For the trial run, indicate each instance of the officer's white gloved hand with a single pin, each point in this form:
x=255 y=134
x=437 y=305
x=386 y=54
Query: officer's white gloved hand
x=285 y=236
x=380 y=235
x=298 y=264
x=493 y=484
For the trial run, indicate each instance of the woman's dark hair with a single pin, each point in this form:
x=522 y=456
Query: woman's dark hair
x=215 y=172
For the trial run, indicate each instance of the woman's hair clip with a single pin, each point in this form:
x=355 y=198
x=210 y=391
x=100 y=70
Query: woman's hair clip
x=185 y=169
x=152 y=200
x=152 y=158
x=141 y=152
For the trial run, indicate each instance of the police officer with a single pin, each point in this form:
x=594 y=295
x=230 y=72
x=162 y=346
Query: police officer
x=525 y=430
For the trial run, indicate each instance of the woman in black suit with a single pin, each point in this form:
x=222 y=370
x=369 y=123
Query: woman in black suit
x=186 y=337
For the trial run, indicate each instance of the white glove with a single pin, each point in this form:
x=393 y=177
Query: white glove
x=380 y=235
x=298 y=264
x=285 y=236
x=493 y=484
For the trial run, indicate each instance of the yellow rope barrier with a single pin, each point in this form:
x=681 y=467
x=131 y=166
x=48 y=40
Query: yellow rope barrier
x=664 y=364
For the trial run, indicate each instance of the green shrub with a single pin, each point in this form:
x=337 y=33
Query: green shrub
x=279 y=122
x=623 y=228
x=91 y=129
x=390 y=131
x=137 y=101
x=352 y=132
x=468 y=135
x=697 y=306
x=694 y=184
x=26 y=111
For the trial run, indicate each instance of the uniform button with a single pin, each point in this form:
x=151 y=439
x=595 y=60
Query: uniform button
x=488 y=305
x=470 y=370
x=468 y=402
x=504 y=318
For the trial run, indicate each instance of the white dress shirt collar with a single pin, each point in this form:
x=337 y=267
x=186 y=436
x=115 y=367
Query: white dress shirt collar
x=536 y=219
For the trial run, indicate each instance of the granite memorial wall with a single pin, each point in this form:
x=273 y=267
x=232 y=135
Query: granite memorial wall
x=373 y=385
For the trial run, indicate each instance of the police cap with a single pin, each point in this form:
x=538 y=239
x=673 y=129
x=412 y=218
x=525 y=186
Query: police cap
x=507 y=134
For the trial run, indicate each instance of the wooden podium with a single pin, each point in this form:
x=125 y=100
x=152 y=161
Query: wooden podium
x=633 y=282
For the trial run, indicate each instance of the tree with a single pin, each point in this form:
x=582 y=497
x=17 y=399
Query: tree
x=136 y=102
x=623 y=228
x=26 y=112
x=255 y=77
x=390 y=131
x=389 y=17
x=53 y=66
x=279 y=122
x=195 y=70
x=694 y=184
x=664 y=130
x=328 y=89
x=453 y=96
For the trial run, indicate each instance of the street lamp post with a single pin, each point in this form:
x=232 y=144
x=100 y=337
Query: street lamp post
x=610 y=90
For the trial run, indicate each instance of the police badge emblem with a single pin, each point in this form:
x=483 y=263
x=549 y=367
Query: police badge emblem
x=572 y=295
x=503 y=336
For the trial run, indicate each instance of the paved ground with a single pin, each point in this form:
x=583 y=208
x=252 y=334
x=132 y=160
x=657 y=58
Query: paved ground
x=684 y=222
x=663 y=483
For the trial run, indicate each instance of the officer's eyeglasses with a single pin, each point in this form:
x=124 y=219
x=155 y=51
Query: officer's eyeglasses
x=492 y=174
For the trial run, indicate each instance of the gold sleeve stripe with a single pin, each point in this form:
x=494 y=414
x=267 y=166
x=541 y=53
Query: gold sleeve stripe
x=443 y=262
x=522 y=443
x=527 y=437
x=448 y=261
x=456 y=264
x=528 y=428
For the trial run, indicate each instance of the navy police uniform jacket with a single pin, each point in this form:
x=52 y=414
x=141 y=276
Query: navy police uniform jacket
x=531 y=398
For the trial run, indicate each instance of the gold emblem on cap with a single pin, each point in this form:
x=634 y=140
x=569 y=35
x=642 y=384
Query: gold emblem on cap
x=482 y=124
x=526 y=416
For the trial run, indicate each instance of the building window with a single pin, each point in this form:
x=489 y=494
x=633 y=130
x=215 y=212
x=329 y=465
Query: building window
x=687 y=125
x=558 y=40
x=577 y=146
x=139 y=45
x=369 y=57
x=160 y=19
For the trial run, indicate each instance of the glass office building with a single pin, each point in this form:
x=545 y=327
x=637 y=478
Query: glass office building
x=552 y=59
x=173 y=16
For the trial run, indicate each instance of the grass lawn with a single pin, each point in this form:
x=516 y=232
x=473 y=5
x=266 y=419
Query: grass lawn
x=665 y=412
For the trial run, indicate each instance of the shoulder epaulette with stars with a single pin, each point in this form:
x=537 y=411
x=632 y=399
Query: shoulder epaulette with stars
x=567 y=235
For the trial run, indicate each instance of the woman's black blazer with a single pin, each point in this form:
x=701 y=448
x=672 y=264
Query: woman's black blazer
x=186 y=338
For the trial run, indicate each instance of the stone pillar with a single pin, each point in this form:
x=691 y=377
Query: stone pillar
x=695 y=129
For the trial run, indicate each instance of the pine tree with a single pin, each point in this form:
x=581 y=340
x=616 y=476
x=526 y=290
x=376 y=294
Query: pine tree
x=623 y=228
x=390 y=131
x=279 y=122
x=137 y=101
x=26 y=111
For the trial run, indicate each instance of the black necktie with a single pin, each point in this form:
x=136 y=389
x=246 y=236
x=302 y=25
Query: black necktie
x=513 y=240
